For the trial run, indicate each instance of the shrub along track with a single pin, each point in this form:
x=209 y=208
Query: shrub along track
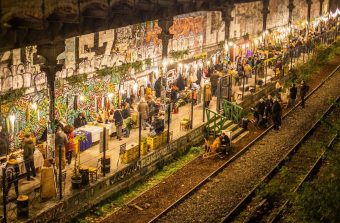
x=214 y=199
x=158 y=198
x=268 y=197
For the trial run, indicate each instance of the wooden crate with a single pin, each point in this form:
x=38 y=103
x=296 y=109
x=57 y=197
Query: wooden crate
x=165 y=137
x=153 y=142
x=144 y=149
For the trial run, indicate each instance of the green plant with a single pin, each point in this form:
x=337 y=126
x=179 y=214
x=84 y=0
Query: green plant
x=176 y=55
x=11 y=95
x=77 y=80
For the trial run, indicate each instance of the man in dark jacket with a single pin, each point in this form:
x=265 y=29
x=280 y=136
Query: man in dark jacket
x=269 y=106
x=303 y=92
x=292 y=95
x=276 y=115
x=260 y=107
x=180 y=83
x=158 y=87
x=118 y=117
x=214 y=82
x=28 y=147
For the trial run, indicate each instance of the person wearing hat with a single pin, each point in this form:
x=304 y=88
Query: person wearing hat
x=29 y=147
x=12 y=174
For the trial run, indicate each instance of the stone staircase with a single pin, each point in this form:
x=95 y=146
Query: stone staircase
x=218 y=123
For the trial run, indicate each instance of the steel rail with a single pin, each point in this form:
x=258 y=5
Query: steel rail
x=240 y=206
x=312 y=172
x=237 y=155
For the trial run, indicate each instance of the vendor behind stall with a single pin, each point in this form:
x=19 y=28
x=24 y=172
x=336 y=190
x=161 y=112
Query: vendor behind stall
x=158 y=125
x=80 y=121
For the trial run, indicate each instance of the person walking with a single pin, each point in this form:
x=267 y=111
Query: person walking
x=208 y=94
x=28 y=147
x=60 y=142
x=303 y=92
x=118 y=118
x=292 y=96
x=276 y=114
x=143 y=109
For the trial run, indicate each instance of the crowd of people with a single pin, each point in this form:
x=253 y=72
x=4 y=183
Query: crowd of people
x=271 y=108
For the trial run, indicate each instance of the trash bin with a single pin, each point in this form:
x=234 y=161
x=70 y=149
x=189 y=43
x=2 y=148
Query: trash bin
x=85 y=176
x=244 y=123
x=107 y=161
x=22 y=207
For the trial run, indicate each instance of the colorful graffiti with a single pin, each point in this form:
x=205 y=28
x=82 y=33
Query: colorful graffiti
x=187 y=26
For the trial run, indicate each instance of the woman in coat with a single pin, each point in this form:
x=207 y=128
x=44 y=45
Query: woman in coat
x=276 y=114
x=70 y=145
x=143 y=109
x=207 y=95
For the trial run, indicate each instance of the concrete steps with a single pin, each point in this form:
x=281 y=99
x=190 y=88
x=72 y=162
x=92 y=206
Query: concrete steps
x=239 y=137
x=232 y=128
x=236 y=133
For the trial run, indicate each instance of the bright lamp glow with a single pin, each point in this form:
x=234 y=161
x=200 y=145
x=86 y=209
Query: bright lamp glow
x=34 y=106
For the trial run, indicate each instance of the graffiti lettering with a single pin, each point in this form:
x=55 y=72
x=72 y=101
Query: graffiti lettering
x=51 y=214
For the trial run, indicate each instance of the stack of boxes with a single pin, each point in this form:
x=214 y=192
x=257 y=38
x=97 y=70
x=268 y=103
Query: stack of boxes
x=154 y=141
x=144 y=147
x=130 y=154
x=147 y=144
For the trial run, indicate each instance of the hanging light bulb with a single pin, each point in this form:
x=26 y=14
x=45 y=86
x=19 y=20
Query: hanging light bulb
x=12 y=119
x=110 y=96
x=81 y=98
x=34 y=106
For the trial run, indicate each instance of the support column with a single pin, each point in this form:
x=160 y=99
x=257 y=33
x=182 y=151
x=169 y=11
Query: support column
x=227 y=18
x=165 y=36
x=321 y=7
x=309 y=4
x=47 y=54
x=290 y=7
x=265 y=11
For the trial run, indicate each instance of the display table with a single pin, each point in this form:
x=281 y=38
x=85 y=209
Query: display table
x=109 y=127
x=38 y=162
x=94 y=130
x=84 y=144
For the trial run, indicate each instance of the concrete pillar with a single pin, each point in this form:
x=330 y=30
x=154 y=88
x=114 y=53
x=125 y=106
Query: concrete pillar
x=265 y=11
x=227 y=18
x=309 y=4
x=165 y=35
x=48 y=54
x=290 y=7
x=321 y=5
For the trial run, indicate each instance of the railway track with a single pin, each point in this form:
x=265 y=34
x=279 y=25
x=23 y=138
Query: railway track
x=232 y=159
x=269 y=197
x=277 y=216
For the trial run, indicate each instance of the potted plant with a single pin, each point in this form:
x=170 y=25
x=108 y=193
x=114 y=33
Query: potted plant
x=77 y=178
